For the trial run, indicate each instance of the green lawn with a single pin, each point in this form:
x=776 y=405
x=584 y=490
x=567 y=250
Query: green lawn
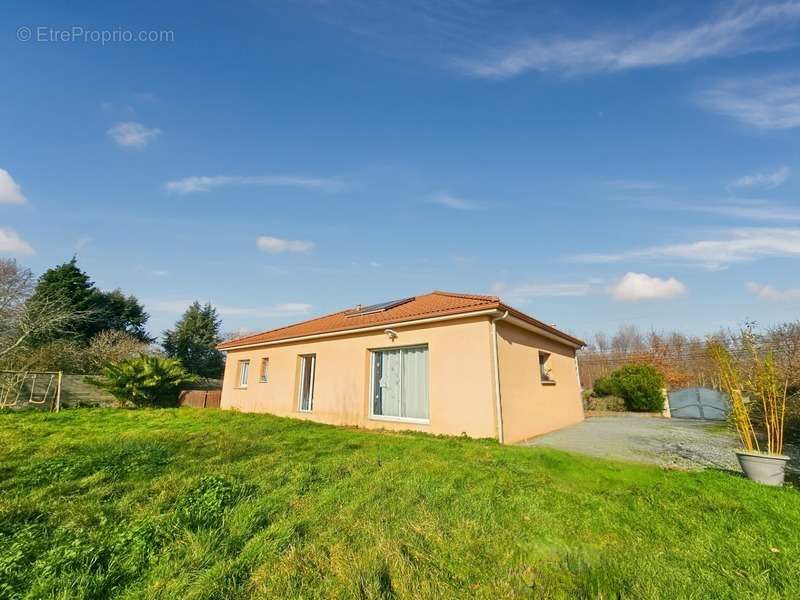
x=206 y=504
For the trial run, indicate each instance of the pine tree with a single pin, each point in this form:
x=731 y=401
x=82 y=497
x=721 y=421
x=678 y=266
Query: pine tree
x=194 y=340
x=102 y=310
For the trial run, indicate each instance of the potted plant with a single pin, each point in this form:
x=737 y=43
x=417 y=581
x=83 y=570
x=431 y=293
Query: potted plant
x=762 y=460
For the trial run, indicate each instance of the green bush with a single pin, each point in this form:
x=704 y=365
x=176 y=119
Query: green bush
x=640 y=386
x=145 y=380
x=605 y=386
x=605 y=404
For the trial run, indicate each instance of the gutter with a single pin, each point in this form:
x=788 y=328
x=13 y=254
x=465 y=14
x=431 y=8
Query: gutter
x=496 y=357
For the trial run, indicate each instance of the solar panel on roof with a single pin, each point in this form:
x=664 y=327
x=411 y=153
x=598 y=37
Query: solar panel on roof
x=380 y=307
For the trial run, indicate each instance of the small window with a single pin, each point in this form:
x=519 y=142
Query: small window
x=544 y=368
x=307 y=365
x=264 y=373
x=244 y=370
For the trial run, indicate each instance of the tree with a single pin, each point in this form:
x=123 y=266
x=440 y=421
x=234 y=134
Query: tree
x=117 y=312
x=25 y=317
x=71 y=286
x=194 y=341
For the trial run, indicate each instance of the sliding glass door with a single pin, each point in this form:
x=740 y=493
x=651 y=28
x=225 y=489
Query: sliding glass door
x=400 y=384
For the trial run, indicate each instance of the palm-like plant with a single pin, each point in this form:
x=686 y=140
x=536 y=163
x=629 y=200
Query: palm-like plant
x=145 y=380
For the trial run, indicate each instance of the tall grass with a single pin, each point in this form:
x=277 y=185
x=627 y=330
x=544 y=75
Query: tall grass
x=190 y=504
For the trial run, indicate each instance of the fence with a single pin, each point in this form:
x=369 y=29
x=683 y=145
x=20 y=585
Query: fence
x=200 y=398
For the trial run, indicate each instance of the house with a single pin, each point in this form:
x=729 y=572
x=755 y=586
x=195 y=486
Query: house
x=443 y=363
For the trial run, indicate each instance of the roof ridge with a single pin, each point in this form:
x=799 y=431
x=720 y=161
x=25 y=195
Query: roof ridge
x=467 y=296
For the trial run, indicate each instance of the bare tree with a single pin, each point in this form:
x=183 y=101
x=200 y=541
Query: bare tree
x=628 y=339
x=23 y=319
x=601 y=342
x=16 y=286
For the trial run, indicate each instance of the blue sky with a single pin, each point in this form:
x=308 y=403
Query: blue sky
x=592 y=166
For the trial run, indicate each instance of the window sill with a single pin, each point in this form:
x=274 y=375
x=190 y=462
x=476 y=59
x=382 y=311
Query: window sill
x=240 y=387
x=262 y=381
x=400 y=420
x=550 y=382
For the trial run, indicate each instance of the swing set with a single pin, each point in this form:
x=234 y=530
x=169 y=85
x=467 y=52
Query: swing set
x=30 y=389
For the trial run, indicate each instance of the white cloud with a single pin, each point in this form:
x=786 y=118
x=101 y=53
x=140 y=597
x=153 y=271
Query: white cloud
x=450 y=201
x=631 y=185
x=739 y=245
x=288 y=309
x=276 y=245
x=745 y=29
x=767 y=292
x=759 y=210
x=81 y=243
x=765 y=180
x=13 y=244
x=771 y=102
x=640 y=286
x=278 y=310
x=522 y=292
x=10 y=190
x=193 y=184
x=133 y=135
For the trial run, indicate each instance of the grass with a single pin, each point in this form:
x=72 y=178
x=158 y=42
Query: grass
x=98 y=503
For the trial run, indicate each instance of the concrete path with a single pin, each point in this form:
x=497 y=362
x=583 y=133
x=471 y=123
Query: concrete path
x=681 y=443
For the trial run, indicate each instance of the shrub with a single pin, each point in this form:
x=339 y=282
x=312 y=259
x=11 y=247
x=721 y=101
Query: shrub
x=640 y=386
x=145 y=380
x=604 y=387
x=605 y=404
x=73 y=356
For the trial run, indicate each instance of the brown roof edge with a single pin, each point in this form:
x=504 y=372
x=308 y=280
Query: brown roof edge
x=498 y=307
x=537 y=323
x=245 y=339
x=252 y=339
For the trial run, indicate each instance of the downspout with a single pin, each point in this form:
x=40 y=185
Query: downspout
x=498 y=404
x=580 y=387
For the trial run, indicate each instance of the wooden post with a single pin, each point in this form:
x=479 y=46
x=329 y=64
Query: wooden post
x=58 y=393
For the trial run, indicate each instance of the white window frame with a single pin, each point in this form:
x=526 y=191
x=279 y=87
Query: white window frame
x=372 y=415
x=303 y=361
x=263 y=375
x=545 y=380
x=243 y=374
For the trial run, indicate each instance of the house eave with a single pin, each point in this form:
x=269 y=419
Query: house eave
x=357 y=330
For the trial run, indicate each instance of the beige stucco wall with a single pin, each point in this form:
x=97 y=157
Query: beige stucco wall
x=530 y=407
x=461 y=384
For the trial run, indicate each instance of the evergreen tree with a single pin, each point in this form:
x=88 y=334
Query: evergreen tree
x=194 y=341
x=102 y=310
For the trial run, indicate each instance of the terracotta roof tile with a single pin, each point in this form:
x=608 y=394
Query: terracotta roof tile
x=435 y=304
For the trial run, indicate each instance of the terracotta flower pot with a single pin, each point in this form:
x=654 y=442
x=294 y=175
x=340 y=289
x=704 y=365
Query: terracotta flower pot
x=768 y=469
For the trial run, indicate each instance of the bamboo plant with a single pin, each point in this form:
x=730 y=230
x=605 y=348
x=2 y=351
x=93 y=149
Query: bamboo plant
x=767 y=386
x=731 y=380
x=761 y=380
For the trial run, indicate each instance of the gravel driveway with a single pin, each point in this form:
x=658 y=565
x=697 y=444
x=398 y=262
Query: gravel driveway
x=683 y=443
